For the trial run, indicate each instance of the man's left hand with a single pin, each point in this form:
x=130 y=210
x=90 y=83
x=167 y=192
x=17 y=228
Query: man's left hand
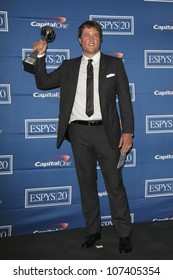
x=126 y=142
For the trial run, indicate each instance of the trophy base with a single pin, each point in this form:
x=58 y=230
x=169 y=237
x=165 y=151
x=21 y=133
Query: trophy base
x=29 y=64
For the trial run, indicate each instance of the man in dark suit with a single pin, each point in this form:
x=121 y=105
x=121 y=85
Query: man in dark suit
x=97 y=135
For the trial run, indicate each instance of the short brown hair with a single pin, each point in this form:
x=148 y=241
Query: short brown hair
x=90 y=24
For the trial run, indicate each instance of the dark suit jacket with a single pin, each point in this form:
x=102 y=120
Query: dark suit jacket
x=112 y=81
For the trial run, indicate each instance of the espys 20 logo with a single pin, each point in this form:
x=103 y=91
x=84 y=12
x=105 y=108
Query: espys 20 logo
x=50 y=196
x=5 y=231
x=107 y=221
x=3 y=21
x=54 y=57
x=158 y=58
x=159 y=124
x=159 y=187
x=6 y=164
x=158 y=0
x=115 y=25
x=41 y=128
x=5 y=94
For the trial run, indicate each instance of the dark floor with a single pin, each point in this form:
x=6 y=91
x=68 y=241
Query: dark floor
x=151 y=241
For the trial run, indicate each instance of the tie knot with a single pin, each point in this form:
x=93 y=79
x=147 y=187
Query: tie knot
x=90 y=61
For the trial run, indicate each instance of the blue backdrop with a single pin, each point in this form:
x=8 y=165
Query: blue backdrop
x=38 y=186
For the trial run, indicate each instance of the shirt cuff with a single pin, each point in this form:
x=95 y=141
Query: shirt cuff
x=40 y=55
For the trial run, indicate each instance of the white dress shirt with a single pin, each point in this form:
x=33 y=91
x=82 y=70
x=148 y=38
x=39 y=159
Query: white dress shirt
x=79 y=107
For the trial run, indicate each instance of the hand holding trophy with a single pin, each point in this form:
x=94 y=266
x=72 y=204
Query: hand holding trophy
x=47 y=34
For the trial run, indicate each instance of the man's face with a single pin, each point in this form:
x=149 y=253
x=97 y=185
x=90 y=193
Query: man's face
x=90 y=41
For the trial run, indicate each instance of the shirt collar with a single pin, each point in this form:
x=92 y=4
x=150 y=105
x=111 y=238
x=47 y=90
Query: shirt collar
x=95 y=58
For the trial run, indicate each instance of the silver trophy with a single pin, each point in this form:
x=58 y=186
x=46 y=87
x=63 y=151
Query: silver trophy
x=47 y=34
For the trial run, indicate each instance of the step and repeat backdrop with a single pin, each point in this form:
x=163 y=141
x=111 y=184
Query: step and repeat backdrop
x=39 y=191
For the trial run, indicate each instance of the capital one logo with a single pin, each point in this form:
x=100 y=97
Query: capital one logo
x=54 y=57
x=41 y=128
x=159 y=187
x=6 y=164
x=158 y=0
x=5 y=231
x=164 y=92
x=163 y=27
x=115 y=25
x=158 y=58
x=159 y=124
x=60 y=24
x=63 y=161
x=51 y=196
x=5 y=94
x=3 y=21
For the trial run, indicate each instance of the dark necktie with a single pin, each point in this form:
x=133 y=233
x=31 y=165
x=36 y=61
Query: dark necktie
x=89 y=89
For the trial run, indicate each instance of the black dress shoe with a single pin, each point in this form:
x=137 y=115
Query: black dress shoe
x=125 y=245
x=91 y=239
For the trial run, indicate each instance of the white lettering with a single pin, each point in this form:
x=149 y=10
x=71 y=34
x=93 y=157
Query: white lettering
x=106 y=223
x=115 y=25
x=163 y=27
x=59 y=163
x=46 y=95
x=42 y=128
x=40 y=197
x=53 y=24
x=4 y=165
x=163 y=219
x=100 y=194
x=48 y=230
x=163 y=157
x=1 y=21
x=3 y=93
x=163 y=93
x=160 y=187
x=160 y=59
x=3 y=234
x=161 y=124
x=55 y=58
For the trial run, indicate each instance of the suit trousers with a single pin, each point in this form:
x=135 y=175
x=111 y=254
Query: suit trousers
x=90 y=145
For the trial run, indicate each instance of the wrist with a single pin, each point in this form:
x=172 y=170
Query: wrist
x=40 y=55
